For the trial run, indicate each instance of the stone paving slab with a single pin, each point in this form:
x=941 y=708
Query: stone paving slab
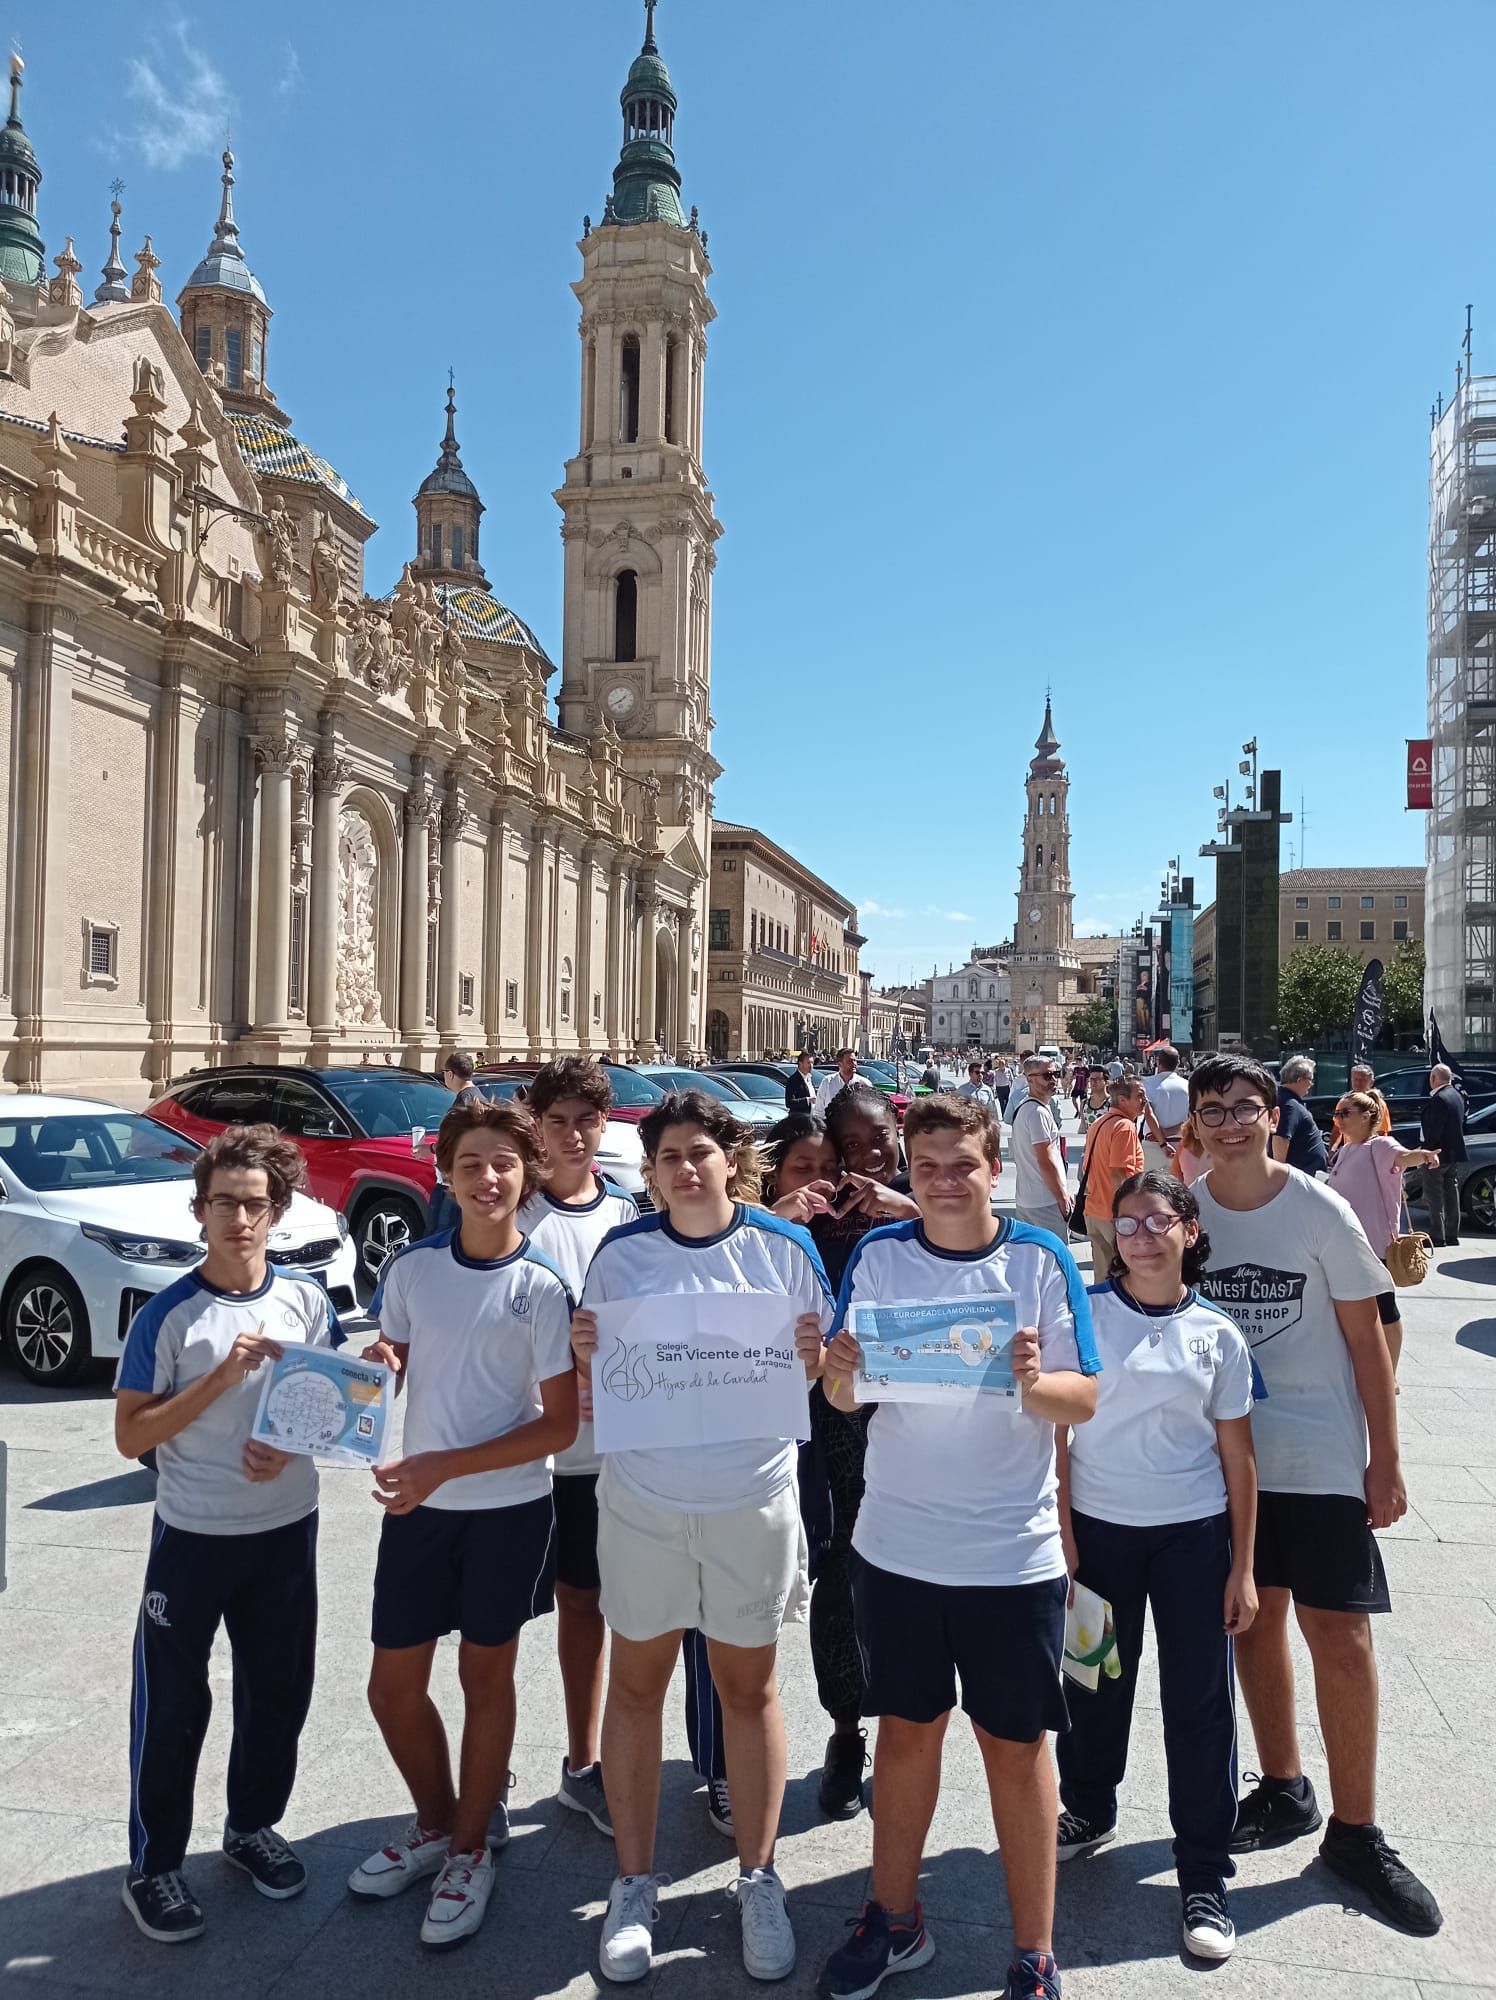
x=78 y=1526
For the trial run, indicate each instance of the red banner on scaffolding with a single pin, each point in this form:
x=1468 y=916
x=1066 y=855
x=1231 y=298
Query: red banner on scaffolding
x=1420 y=774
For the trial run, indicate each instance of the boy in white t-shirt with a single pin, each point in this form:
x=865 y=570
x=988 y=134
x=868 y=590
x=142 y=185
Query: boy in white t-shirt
x=1291 y=1264
x=701 y=1536
x=566 y=1218
x=960 y=1571
x=477 y=1325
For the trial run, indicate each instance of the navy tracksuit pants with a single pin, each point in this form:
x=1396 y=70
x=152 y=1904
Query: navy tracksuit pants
x=1179 y=1572
x=703 y=1708
x=263 y=1589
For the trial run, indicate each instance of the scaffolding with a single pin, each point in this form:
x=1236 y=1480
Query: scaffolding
x=1460 y=906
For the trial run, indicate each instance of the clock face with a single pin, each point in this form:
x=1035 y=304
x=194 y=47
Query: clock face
x=1034 y=916
x=622 y=701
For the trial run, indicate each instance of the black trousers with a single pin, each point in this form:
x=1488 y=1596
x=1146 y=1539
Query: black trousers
x=263 y=1589
x=1179 y=1572
x=842 y=1437
x=1441 y=1192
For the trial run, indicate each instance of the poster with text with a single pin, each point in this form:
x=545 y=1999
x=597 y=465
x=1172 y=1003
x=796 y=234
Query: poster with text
x=697 y=1368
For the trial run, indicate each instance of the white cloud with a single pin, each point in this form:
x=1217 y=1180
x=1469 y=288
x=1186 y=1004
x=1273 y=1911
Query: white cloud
x=290 y=76
x=947 y=916
x=184 y=102
x=869 y=906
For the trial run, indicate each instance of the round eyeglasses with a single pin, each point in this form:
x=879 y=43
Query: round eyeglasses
x=1155 y=1224
x=1245 y=1112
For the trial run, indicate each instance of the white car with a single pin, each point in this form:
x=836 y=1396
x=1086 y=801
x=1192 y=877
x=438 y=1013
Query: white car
x=749 y=1111
x=95 y=1217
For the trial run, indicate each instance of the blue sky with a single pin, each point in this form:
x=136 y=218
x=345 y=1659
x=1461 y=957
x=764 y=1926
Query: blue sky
x=1089 y=345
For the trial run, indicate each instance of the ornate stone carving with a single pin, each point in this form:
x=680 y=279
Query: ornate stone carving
x=455 y=819
x=451 y=668
x=358 y=998
x=327 y=570
x=278 y=539
x=419 y=807
x=360 y=643
x=330 y=772
x=385 y=672
x=275 y=755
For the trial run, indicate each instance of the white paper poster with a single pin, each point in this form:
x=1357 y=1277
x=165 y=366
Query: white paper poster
x=697 y=1368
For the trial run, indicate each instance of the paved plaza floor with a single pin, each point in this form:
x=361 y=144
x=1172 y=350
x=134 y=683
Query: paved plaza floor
x=78 y=1524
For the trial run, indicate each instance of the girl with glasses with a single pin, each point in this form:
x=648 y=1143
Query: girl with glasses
x=1367 y=1168
x=1158 y=1502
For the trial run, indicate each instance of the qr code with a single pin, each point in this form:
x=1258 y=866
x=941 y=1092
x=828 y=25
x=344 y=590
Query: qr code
x=366 y=1426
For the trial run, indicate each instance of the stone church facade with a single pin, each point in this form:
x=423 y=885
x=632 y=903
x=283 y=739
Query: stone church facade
x=248 y=810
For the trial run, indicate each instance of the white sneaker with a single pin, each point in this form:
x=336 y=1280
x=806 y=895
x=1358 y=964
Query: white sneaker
x=459 y=1899
x=416 y=1854
x=768 y=1940
x=627 y=1949
x=1208 y=1930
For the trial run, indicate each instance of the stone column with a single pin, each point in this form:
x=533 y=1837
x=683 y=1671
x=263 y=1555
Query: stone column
x=534 y=938
x=652 y=383
x=329 y=775
x=273 y=756
x=495 y=894
x=44 y=954
x=414 y=905
x=455 y=818
x=582 y=986
x=553 y=947
x=649 y=906
x=683 y=1038
x=613 y=994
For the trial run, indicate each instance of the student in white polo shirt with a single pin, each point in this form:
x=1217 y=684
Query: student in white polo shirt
x=959 y=1568
x=1158 y=1507
x=703 y=1536
x=477 y=1325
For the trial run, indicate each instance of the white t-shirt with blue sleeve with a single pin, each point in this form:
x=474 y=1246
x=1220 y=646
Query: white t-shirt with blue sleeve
x=568 y=1233
x=757 y=1252
x=183 y=1334
x=967 y=1494
x=483 y=1335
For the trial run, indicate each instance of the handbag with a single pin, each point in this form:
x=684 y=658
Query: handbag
x=1076 y=1219
x=1409 y=1254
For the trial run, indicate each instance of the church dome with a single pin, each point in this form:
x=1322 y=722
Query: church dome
x=224 y=265
x=269 y=448
x=478 y=614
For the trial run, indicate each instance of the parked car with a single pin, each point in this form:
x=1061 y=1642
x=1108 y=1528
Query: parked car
x=1477 y=1175
x=764 y=1090
x=621 y=1155
x=1405 y=1089
x=783 y=1071
x=95 y=1218
x=754 y=1112
x=358 y=1129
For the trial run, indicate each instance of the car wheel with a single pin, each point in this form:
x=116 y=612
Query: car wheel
x=1480 y=1201
x=386 y=1224
x=46 y=1327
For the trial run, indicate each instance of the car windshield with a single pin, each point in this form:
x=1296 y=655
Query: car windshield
x=390 y=1107
x=93 y=1149
x=768 y=1089
x=631 y=1088
x=694 y=1079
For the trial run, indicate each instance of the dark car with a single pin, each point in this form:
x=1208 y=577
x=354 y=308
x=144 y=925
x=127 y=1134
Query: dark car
x=1477 y=1174
x=356 y=1127
x=1405 y=1089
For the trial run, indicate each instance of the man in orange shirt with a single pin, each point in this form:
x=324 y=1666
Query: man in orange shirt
x=1113 y=1151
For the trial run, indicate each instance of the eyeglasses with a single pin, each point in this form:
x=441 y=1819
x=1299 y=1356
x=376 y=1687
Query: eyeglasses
x=227 y=1206
x=1156 y=1225
x=1246 y=1112
x=1050 y=1075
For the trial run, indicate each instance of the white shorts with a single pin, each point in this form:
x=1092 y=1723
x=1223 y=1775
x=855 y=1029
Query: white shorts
x=736 y=1576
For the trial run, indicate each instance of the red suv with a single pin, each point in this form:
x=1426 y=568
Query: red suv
x=356 y=1128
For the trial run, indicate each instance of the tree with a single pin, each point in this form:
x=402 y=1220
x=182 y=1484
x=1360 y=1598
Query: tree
x=1093 y=1024
x=1402 y=987
x=1317 y=987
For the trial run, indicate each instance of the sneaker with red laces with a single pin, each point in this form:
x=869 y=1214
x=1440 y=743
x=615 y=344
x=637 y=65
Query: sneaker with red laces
x=459 y=1899
x=875 y=1951
x=417 y=1852
x=1033 y=1975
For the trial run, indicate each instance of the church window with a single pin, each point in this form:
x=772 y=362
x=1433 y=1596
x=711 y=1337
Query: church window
x=256 y=357
x=566 y=989
x=1053 y=804
x=464 y=993
x=628 y=390
x=436 y=544
x=457 y=562
x=1038 y=857
x=511 y=997
x=975 y=988
x=233 y=357
x=626 y=616
x=102 y=962
x=955 y=993
x=296 y=991
x=991 y=992
x=672 y=356
x=589 y=399
x=204 y=347
x=431 y=971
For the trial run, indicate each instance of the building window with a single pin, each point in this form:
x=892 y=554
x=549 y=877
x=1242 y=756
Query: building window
x=1368 y=931
x=626 y=616
x=1399 y=928
x=101 y=954
x=566 y=989
x=204 y=347
x=719 y=930
x=1300 y=930
x=1399 y=902
x=1301 y=902
x=457 y=556
x=628 y=390
x=1368 y=902
x=233 y=357
x=511 y=997
x=256 y=357
x=436 y=544
x=464 y=993
x=1334 y=902
x=1334 y=930
x=431 y=972
x=672 y=357
x=597 y=1008
x=730 y=866
x=296 y=984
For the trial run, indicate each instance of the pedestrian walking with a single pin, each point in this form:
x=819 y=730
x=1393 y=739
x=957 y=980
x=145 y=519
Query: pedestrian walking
x=1041 y=1197
x=1441 y=1120
x=1169 y=1101
x=1113 y=1154
x=1297 y=1139
x=1367 y=1169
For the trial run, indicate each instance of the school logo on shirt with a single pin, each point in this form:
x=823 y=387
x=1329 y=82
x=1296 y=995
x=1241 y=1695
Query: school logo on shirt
x=1202 y=1348
x=1262 y=1301
x=519 y=1305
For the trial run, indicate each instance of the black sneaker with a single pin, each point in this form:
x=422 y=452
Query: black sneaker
x=1271 y=1815
x=163 y=1906
x=841 y=1775
x=875 y=1950
x=1075 y=1835
x=1207 y=1930
x=269 y=1861
x=1361 y=1855
x=1035 y=1976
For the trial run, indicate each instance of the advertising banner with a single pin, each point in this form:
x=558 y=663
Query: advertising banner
x=1420 y=774
x=1366 y=1021
x=1182 y=977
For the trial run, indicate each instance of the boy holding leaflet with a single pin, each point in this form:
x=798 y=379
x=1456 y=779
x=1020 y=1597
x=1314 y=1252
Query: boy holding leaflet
x=235 y=1536
x=566 y=1218
x=476 y=1325
x=959 y=1571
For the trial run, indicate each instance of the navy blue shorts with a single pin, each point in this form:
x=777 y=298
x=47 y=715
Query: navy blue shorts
x=575 y=1498
x=480 y=1571
x=1004 y=1641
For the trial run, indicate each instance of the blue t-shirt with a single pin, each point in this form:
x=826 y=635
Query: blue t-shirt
x=1306 y=1143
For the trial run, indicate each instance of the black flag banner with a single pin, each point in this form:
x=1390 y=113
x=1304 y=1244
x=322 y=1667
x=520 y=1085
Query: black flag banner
x=1437 y=1051
x=1366 y=1022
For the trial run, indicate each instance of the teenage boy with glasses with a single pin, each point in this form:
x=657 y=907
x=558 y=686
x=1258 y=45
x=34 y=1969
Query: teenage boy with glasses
x=1291 y=1265
x=234 y=1539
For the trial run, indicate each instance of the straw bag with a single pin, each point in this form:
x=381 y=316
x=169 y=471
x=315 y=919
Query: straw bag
x=1409 y=1254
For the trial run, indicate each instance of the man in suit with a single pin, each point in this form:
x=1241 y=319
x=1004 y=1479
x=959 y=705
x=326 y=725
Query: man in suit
x=1442 y=1119
x=799 y=1091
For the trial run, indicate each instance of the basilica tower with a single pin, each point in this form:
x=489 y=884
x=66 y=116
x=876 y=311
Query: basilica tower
x=1045 y=967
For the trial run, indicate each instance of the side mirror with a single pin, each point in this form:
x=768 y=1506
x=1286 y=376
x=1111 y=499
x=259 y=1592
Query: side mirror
x=330 y=1128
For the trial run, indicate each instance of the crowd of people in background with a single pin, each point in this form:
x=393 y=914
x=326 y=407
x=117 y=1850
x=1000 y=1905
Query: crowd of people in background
x=1207 y=1435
